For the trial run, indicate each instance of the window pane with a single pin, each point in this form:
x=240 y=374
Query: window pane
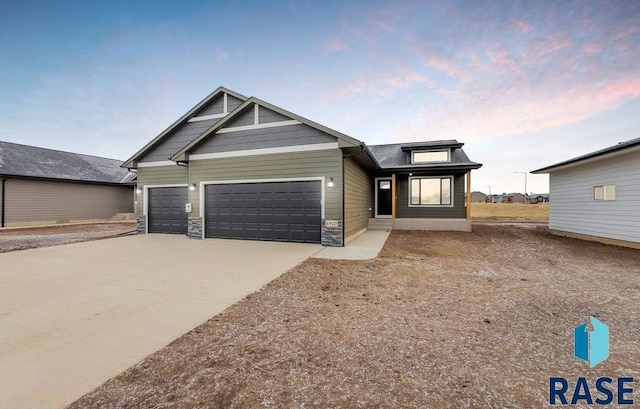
x=446 y=191
x=415 y=191
x=385 y=184
x=610 y=192
x=598 y=193
x=434 y=156
x=430 y=191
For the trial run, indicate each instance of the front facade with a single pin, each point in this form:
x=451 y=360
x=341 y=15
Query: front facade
x=238 y=167
x=42 y=187
x=597 y=196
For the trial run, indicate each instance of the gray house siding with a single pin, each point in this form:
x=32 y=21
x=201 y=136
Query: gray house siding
x=32 y=202
x=233 y=103
x=243 y=118
x=358 y=198
x=403 y=210
x=177 y=140
x=572 y=206
x=216 y=106
x=160 y=175
x=275 y=137
x=267 y=116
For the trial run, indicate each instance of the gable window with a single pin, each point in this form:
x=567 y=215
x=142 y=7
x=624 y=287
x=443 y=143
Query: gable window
x=430 y=191
x=430 y=156
x=606 y=192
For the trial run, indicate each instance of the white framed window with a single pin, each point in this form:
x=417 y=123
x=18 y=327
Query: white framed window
x=431 y=191
x=441 y=155
x=604 y=192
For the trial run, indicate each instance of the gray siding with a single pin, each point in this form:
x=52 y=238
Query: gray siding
x=266 y=116
x=403 y=210
x=233 y=102
x=572 y=208
x=358 y=198
x=242 y=118
x=177 y=140
x=214 y=106
x=327 y=163
x=30 y=200
x=160 y=175
x=279 y=136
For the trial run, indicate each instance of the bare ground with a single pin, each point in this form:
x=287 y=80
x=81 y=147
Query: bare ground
x=439 y=320
x=33 y=237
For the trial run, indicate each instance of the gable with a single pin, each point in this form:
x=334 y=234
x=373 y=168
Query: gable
x=177 y=139
x=221 y=104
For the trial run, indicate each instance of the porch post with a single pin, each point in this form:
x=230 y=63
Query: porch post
x=468 y=198
x=393 y=196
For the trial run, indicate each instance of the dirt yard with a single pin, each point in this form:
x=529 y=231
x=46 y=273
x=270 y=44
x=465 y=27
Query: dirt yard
x=33 y=237
x=510 y=212
x=439 y=320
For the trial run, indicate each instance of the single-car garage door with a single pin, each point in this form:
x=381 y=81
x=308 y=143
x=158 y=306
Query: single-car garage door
x=166 y=210
x=277 y=211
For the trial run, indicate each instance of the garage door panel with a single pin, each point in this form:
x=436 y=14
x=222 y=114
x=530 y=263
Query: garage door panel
x=165 y=210
x=281 y=211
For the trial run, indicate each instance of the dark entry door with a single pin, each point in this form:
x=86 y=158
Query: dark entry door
x=384 y=197
x=166 y=210
x=274 y=211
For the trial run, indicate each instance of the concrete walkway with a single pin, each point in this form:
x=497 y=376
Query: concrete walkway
x=73 y=316
x=365 y=247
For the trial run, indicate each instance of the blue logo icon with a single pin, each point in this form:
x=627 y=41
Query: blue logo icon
x=591 y=346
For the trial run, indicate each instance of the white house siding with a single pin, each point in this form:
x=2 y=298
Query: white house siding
x=573 y=209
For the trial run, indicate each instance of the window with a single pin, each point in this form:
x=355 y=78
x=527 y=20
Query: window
x=430 y=191
x=430 y=156
x=606 y=192
x=385 y=185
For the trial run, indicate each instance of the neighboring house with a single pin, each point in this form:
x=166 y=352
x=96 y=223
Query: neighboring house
x=538 y=198
x=478 y=197
x=43 y=186
x=238 y=167
x=508 y=198
x=597 y=196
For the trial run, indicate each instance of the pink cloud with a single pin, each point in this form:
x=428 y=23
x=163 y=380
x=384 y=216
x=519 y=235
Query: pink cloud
x=500 y=57
x=385 y=85
x=539 y=50
x=591 y=48
x=521 y=25
x=335 y=46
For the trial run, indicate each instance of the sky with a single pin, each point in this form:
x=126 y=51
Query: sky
x=524 y=84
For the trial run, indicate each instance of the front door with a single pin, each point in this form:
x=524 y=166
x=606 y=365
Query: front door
x=383 y=201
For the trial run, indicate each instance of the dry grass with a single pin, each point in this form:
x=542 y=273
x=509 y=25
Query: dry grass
x=510 y=211
x=439 y=320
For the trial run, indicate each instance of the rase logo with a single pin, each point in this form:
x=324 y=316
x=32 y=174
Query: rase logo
x=591 y=346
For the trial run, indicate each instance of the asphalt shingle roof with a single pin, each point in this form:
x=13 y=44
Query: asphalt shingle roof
x=393 y=156
x=30 y=161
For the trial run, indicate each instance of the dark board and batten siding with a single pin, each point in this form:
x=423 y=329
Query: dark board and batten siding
x=457 y=211
x=28 y=200
x=295 y=165
x=358 y=198
x=276 y=137
x=160 y=175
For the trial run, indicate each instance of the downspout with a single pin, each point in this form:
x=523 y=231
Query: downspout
x=343 y=203
x=2 y=202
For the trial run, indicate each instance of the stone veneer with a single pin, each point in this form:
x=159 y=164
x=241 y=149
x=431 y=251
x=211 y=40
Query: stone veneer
x=194 y=229
x=331 y=236
x=141 y=222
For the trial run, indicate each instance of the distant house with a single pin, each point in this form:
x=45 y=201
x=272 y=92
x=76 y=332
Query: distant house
x=506 y=198
x=538 y=198
x=478 y=197
x=43 y=186
x=597 y=196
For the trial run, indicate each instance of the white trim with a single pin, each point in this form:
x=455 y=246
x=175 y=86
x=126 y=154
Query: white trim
x=258 y=126
x=376 y=215
x=145 y=198
x=413 y=152
x=207 y=117
x=265 y=151
x=158 y=163
x=225 y=109
x=228 y=182
x=452 y=192
x=256 y=114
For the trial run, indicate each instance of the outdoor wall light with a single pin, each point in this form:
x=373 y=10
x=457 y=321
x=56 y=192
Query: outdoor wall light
x=192 y=187
x=330 y=183
x=138 y=190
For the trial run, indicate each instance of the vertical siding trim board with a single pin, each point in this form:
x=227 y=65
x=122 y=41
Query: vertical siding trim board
x=2 y=202
x=145 y=198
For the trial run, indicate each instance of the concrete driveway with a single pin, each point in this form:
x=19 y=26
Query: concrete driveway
x=74 y=316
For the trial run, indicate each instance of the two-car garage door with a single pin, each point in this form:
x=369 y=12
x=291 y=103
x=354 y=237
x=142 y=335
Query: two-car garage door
x=274 y=211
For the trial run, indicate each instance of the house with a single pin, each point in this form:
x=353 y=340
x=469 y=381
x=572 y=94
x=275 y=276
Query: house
x=238 y=167
x=43 y=186
x=597 y=196
x=478 y=197
x=538 y=198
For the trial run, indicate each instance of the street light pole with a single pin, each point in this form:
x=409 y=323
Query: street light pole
x=489 y=186
x=525 y=185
